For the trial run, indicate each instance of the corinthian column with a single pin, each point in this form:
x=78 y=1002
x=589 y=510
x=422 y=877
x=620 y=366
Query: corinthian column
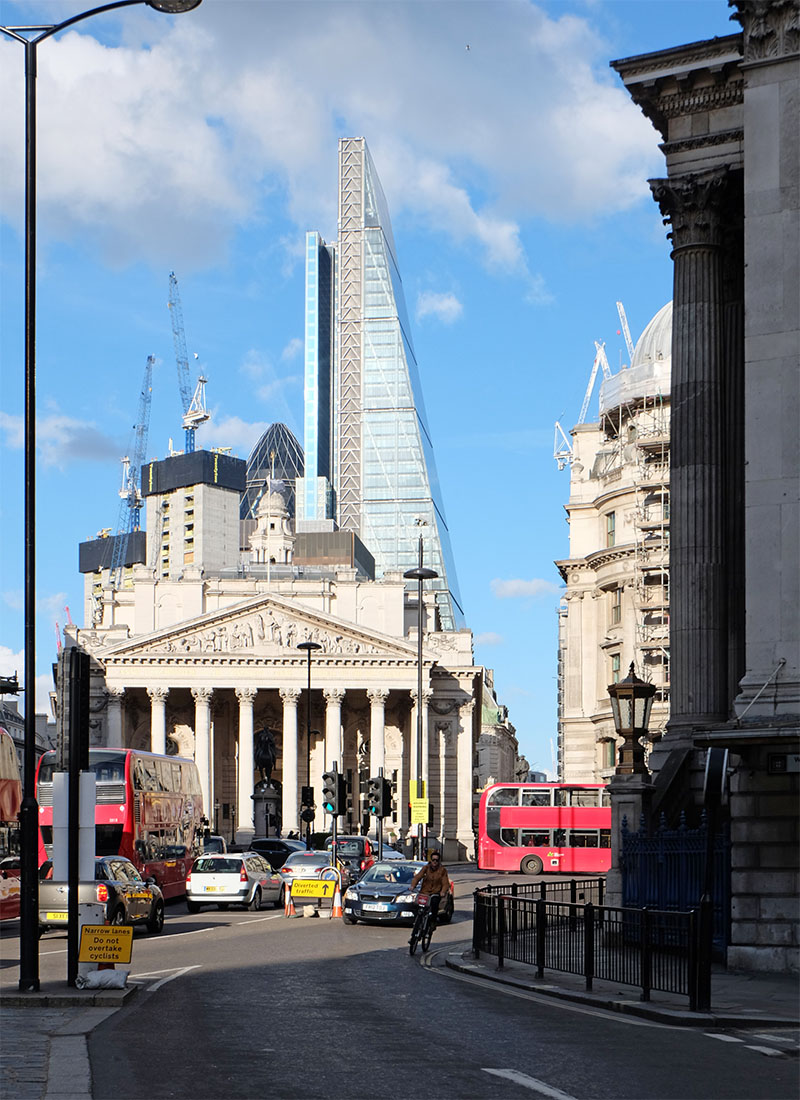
x=202 y=740
x=695 y=207
x=333 y=725
x=114 y=716
x=377 y=727
x=464 y=758
x=289 y=806
x=158 y=719
x=244 y=776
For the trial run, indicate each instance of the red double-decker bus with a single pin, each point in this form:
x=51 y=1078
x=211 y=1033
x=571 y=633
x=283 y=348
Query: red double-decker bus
x=149 y=808
x=536 y=827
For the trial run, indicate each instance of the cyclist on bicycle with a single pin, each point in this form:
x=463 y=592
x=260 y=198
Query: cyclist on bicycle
x=434 y=881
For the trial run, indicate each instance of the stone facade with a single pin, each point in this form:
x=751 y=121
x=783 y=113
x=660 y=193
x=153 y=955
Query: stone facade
x=727 y=110
x=616 y=606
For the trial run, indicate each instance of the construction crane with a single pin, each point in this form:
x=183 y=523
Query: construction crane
x=626 y=332
x=130 y=509
x=600 y=360
x=194 y=403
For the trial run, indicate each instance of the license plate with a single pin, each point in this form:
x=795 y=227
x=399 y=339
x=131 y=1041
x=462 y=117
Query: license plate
x=374 y=907
x=213 y=889
x=56 y=916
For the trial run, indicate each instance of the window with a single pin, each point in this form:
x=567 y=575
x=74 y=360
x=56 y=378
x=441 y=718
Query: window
x=609 y=754
x=584 y=798
x=535 y=839
x=505 y=796
x=616 y=606
x=616 y=662
x=611 y=529
x=584 y=838
x=536 y=798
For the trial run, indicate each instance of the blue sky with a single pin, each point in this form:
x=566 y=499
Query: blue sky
x=515 y=169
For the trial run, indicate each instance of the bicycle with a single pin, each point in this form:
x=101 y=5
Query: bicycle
x=423 y=925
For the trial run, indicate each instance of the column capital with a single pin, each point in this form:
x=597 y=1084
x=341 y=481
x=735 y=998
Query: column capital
x=769 y=31
x=246 y=696
x=377 y=696
x=466 y=709
x=158 y=694
x=115 y=694
x=427 y=695
x=695 y=205
x=203 y=695
x=289 y=695
x=334 y=695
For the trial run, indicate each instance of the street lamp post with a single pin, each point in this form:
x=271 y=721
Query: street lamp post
x=309 y=648
x=631 y=701
x=419 y=574
x=30 y=37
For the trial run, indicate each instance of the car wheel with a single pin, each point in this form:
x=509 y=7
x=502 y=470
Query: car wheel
x=156 y=922
x=193 y=906
x=531 y=865
x=351 y=920
x=118 y=916
x=255 y=904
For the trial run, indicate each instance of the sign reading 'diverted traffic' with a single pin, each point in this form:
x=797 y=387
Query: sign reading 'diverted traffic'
x=313 y=888
x=105 y=943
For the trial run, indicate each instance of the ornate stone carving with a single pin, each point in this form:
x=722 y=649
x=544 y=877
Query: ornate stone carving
x=246 y=695
x=203 y=695
x=378 y=695
x=334 y=695
x=289 y=695
x=443 y=706
x=770 y=28
x=158 y=694
x=695 y=206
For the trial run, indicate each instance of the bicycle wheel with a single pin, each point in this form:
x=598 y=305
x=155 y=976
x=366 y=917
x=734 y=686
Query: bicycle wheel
x=415 y=934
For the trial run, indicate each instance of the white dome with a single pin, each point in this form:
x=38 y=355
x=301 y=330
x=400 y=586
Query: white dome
x=649 y=373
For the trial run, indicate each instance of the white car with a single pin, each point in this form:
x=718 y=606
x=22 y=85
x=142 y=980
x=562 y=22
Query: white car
x=236 y=878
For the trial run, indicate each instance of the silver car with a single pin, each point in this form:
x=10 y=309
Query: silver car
x=235 y=878
x=307 y=865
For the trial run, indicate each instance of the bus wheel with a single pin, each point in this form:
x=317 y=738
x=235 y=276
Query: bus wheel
x=531 y=865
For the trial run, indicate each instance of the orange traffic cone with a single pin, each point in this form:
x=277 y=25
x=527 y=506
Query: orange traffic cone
x=336 y=911
x=288 y=904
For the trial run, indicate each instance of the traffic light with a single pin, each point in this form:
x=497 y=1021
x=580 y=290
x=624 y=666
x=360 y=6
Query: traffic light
x=374 y=792
x=330 y=790
x=379 y=797
x=306 y=797
x=334 y=793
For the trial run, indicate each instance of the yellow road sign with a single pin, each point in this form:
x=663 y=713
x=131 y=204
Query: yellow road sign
x=419 y=811
x=313 y=888
x=105 y=943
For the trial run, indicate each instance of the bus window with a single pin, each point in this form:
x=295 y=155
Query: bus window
x=509 y=836
x=504 y=796
x=559 y=838
x=535 y=839
x=584 y=797
x=561 y=796
x=605 y=797
x=535 y=798
x=584 y=838
x=605 y=838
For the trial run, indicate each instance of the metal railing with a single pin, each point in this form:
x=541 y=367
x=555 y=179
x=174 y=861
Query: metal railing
x=651 y=949
x=575 y=890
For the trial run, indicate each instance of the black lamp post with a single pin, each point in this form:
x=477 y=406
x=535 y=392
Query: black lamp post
x=309 y=648
x=419 y=574
x=631 y=700
x=30 y=37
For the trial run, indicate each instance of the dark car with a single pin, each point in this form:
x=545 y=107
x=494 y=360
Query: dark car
x=275 y=850
x=383 y=894
x=128 y=898
x=355 y=854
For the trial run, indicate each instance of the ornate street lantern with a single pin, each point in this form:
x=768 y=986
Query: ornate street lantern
x=631 y=700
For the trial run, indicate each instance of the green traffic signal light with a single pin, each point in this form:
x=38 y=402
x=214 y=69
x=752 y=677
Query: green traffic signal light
x=374 y=796
x=329 y=792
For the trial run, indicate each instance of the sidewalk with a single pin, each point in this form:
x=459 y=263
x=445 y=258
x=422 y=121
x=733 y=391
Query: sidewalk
x=739 y=999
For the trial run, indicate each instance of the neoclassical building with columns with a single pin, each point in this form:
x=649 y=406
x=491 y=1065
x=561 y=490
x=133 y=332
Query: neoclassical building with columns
x=194 y=660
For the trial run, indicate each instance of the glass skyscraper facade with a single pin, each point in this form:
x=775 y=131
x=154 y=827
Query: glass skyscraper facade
x=364 y=413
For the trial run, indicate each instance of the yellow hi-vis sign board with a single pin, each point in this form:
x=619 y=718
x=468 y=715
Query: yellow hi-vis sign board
x=419 y=811
x=313 y=888
x=413 y=792
x=105 y=943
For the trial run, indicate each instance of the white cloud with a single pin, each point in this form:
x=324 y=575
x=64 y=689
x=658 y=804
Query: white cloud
x=489 y=638
x=232 y=431
x=61 y=439
x=160 y=147
x=292 y=349
x=520 y=589
x=14 y=662
x=14 y=429
x=444 y=306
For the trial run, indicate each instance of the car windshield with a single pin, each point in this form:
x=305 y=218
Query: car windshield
x=390 y=872
x=348 y=847
x=305 y=858
x=217 y=866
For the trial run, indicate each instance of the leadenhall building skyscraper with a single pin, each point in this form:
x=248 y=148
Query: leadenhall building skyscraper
x=369 y=463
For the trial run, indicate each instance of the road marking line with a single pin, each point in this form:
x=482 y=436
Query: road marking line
x=170 y=976
x=723 y=1038
x=63 y=951
x=770 y=1053
x=530 y=1083
x=257 y=920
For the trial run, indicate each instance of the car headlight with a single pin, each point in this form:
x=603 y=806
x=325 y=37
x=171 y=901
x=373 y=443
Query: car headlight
x=351 y=895
x=406 y=899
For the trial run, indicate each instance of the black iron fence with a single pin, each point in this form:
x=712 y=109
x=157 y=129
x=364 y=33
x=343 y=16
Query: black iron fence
x=651 y=949
x=575 y=890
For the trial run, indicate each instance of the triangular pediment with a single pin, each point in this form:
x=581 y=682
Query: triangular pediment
x=266 y=626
